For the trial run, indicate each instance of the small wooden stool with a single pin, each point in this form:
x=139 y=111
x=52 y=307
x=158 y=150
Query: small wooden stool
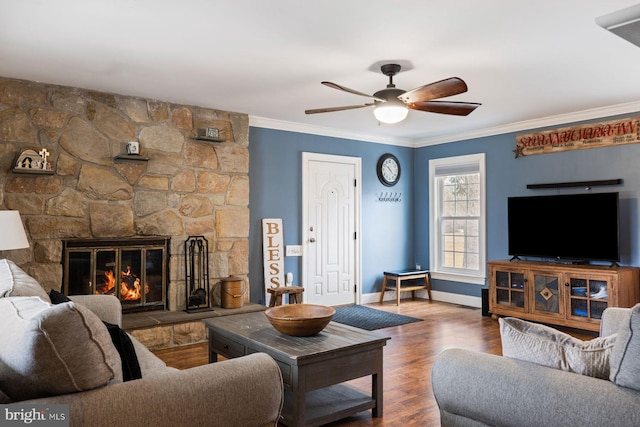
x=292 y=291
x=401 y=275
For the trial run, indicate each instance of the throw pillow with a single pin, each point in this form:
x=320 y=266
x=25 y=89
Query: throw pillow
x=625 y=360
x=58 y=297
x=130 y=365
x=120 y=339
x=16 y=283
x=53 y=349
x=540 y=344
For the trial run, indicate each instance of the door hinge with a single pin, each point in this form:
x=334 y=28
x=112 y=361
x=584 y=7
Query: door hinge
x=355 y=182
x=355 y=289
x=355 y=235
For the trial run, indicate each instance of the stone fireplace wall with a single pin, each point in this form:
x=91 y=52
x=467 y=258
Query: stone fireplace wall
x=187 y=187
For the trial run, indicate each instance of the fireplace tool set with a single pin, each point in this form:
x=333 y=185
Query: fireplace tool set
x=196 y=265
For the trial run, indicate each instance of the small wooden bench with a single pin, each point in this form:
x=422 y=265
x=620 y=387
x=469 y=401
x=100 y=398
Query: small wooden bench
x=294 y=292
x=400 y=276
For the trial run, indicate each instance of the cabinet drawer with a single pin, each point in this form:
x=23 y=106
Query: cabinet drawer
x=226 y=347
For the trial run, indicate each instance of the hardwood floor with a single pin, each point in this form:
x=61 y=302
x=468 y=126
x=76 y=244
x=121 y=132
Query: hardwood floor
x=408 y=356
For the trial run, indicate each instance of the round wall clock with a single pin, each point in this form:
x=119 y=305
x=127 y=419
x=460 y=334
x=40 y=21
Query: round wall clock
x=388 y=169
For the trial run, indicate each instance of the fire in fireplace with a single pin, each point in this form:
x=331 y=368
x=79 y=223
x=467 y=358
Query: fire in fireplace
x=133 y=270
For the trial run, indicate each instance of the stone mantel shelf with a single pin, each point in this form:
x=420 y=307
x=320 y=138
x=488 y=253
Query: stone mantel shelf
x=34 y=171
x=131 y=157
x=148 y=319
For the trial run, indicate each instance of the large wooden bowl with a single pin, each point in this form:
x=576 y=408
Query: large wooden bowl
x=300 y=320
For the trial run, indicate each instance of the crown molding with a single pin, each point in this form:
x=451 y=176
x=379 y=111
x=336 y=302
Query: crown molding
x=560 y=119
x=263 y=122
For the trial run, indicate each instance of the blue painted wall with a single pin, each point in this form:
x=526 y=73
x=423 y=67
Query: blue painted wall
x=508 y=176
x=275 y=176
x=396 y=235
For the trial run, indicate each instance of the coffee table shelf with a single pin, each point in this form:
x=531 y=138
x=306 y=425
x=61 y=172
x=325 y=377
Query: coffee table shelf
x=331 y=404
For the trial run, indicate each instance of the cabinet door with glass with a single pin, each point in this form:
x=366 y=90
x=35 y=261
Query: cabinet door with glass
x=588 y=295
x=510 y=290
x=547 y=295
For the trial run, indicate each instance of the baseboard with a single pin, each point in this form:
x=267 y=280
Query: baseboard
x=449 y=297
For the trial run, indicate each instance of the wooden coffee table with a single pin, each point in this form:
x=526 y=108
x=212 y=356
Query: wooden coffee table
x=313 y=368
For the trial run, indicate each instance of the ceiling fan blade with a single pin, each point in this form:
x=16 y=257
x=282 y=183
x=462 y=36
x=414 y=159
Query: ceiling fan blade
x=355 y=92
x=445 y=107
x=441 y=89
x=331 y=109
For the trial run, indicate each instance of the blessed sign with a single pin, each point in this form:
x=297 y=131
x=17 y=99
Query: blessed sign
x=273 y=252
x=593 y=135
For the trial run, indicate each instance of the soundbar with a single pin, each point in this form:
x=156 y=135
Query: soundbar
x=575 y=184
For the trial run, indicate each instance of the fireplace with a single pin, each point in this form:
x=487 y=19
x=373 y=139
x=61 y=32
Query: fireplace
x=133 y=270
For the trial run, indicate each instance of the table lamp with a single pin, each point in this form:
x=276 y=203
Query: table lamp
x=12 y=235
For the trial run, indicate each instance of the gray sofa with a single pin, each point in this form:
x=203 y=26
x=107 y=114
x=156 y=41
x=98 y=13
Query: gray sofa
x=245 y=391
x=477 y=389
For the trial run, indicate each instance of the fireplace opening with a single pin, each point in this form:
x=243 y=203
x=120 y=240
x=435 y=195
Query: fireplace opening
x=133 y=270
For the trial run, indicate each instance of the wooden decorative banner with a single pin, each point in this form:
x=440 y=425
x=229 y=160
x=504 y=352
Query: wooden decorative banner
x=592 y=135
x=273 y=252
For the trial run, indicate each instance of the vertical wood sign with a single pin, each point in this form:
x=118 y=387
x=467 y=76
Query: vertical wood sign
x=273 y=252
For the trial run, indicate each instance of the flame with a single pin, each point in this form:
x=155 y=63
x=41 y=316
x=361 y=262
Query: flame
x=129 y=294
x=109 y=284
x=130 y=285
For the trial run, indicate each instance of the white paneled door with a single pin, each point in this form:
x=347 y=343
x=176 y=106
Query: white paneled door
x=331 y=194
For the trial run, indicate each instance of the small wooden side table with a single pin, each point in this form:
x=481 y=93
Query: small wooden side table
x=294 y=292
x=399 y=276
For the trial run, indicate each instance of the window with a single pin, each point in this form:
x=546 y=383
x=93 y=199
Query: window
x=457 y=218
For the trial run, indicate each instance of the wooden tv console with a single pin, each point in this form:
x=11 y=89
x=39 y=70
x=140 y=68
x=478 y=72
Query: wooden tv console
x=560 y=294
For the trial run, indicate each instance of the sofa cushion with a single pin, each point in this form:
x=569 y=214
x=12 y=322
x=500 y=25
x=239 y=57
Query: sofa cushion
x=16 y=283
x=119 y=338
x=546 y=346
x=150 y=364
x=53 y=349
x=625 y=360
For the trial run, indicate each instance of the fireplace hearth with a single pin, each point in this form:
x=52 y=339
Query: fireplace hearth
x=133 y=270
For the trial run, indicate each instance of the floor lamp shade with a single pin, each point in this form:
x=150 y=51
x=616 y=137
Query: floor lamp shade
x=12 y=235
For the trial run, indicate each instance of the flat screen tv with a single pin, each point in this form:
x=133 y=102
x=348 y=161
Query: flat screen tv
x=580 y=227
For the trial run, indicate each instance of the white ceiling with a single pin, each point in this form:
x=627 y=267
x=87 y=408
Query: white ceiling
x=529 y=63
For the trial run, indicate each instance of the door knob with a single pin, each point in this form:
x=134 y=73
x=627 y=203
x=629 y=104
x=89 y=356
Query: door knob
x=312 y=240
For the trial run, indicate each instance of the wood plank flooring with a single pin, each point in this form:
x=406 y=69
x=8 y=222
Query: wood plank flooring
x=408 y=356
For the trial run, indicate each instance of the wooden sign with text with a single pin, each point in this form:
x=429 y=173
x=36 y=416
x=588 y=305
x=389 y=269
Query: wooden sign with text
x=273 y=252
x=592 y=135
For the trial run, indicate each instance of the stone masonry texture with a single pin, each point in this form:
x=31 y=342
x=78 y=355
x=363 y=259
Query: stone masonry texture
x=187 y=186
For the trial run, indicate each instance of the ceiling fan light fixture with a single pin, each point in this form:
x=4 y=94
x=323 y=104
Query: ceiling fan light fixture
x=392 y=105
x=390 y=113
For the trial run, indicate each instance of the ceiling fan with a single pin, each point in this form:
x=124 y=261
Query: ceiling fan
x=392 y=105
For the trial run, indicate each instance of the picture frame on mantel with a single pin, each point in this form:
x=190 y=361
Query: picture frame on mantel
x=209 y=134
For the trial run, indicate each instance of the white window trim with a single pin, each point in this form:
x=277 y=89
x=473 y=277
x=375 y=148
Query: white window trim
x=434 y=253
